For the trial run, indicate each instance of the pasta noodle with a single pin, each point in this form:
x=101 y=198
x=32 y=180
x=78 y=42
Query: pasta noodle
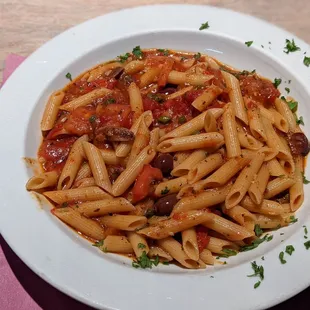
x=167 y=156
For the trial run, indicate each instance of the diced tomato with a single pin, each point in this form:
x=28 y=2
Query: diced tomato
x=118 y=115
x=164 y=73
x=55 y=152
x=142 y=186
x=202 y=237
x=218 y=79
x=258 y=89
x=78 y=121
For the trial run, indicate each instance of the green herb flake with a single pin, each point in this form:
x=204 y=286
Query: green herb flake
x=281 y=257
x=257 y=284
x=182 y=119
x=258 y=231
x=165 y=263
x=307 y=245
x=137 y=52
x=157 y=97
x=269 y=238
x=229 y=252
x=305 y=230
x=258 y=271
x=304 y=179
x=165 y=191
x=287 y=90
x=293 y=105
x=123 y=58
x=164 y=51
x=255 y=243
x=204 y=26
x=289 y=249
x=277 y=82
x=306 y=61
x=263 y=257
x=293 y=219
x=109 y=101
x=141 y=246
x=98 y=244
x=68 y=76
x=248 y=43
x=290 y=46
x=197 y=56
x=92 y=119
x=300 y=121
x=212 y=277
x=145 y=262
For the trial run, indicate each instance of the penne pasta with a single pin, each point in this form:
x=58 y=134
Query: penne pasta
x=86 y=182
x=279 y=121
x=204 y=140
x=235 y=96
x=42 y=180
x=73 y=164
x=102 y=207
x=274 y=168
x=82 y=224
x=138 y=243
x=296 y=190
x=85 y=99
x=206 y=98
x=171 y=186
x=189 y=243
x=51 y=110
x=217 y=245
x=230 y=132
x=128 y=176
x=207 y=257
x=268 y=207
x=77 y=194
x=123 y=222
x=117 y=244
x=156 y=251
x=97 y=166
x=84 y=171
x=278 y=185
x=285 y=111
x=135 y=100
x=100 y=70
x=134 y=66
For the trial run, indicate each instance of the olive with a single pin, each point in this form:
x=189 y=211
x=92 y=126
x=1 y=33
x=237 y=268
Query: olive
x=299 y=144
x=164 y=205
x=116 y=73
x=164 y=162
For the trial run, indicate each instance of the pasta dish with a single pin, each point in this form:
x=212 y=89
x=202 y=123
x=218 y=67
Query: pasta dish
x=170 y=156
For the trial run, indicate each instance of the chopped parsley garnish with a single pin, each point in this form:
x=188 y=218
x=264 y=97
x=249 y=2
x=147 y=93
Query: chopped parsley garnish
x=258 y=231
x=144 y=262
x=287 y=90
x=165 y=191
x=263 y=257
x=255 y=243
x=229 y=252
x=307 y=61
x=157 y=97
x=281 y=257
x=123 y=58
x=300 y=121
x=164 y=119
x=304 y=179
x=164 y=51
x=257 y=284
x=289 y=249
x=305 y=230
x=197 y=56
x=258 y=271
x=277 y=82
x=92 y=119
x=293 y=105
x=204 y=26
x=290 y=46
x=182 y=119
x=141 y=246
x=68 y=76
x=137 y=52
x=293 y=219
x=248 y=43
x=109 y=101
x=98 y=243
x=165 y=263
x=307 y=245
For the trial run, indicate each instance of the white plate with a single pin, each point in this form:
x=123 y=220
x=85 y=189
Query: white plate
x=73 y=265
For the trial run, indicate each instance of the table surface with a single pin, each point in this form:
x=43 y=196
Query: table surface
x=27 y=24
